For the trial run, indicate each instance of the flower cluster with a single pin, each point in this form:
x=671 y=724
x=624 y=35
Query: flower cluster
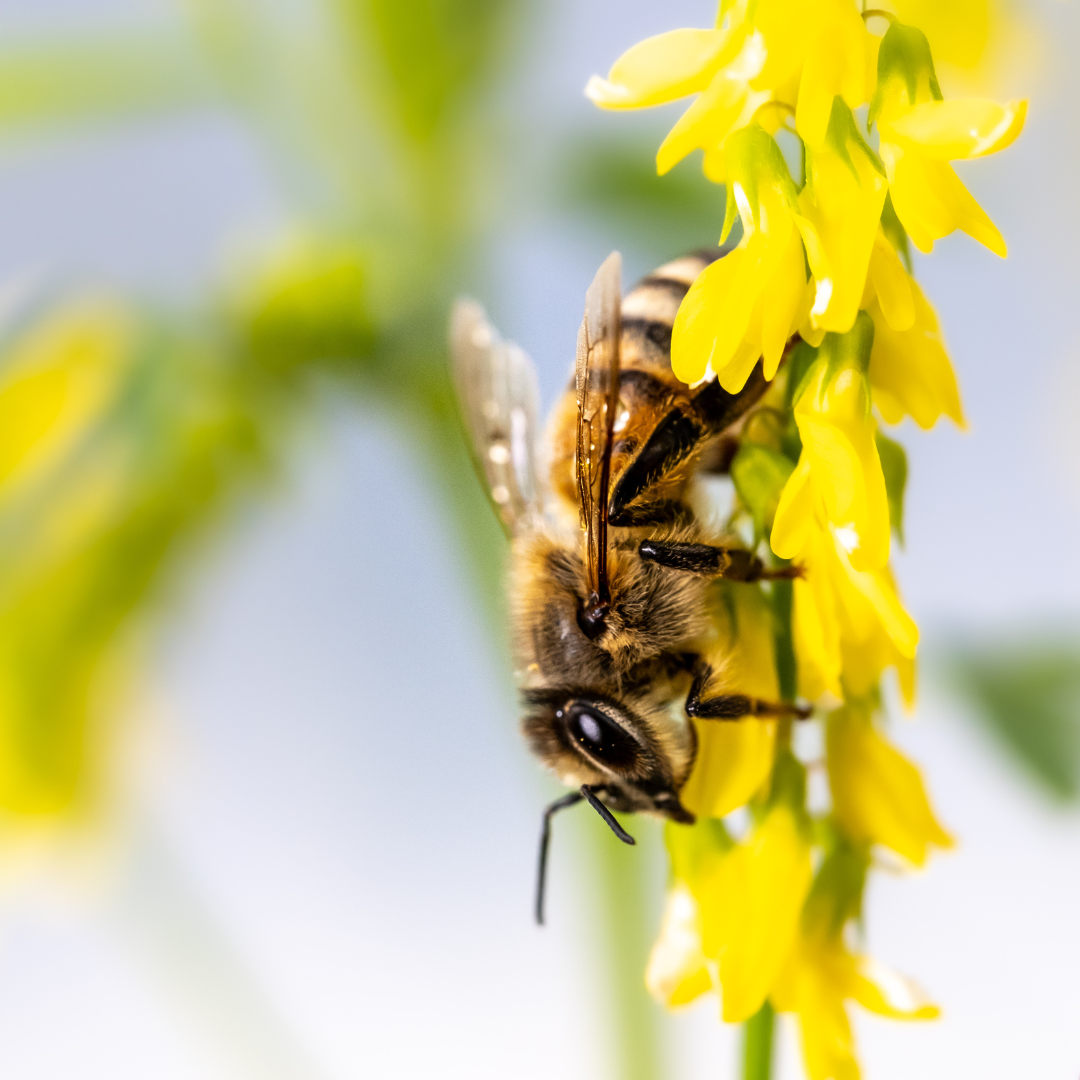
x=819 y=291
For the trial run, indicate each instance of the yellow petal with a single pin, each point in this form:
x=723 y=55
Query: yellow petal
x=754 y=913
x=693 y=337
x=662 y=68
x=960 y=128
x=816 y=632
x=837 y=430
x=957 y=30
x=843 y=199
x=931 y=202
x=786 y=26
x=815 y=984
x=891 y=285
x=55 y=381
x=794 y=517
x=836 y=64
x=878 y=795
x=910 y=371
x=781 y=301
x=734 y=760
x=877 y=590
x=676 y=972
x=889 y=993
x=706 y=123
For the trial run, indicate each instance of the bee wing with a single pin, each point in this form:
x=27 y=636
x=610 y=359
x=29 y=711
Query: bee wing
x=597 y=381
x=496 y=386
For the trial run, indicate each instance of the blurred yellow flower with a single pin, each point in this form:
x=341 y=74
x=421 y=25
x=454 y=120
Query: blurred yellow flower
x=734 y=908
x=838 y=477
x=921 y=133
x=848 y=625
x=677 y=971
x=749 y=303
x=878 y=795
x=751 y=909
x=822 y=974
x=910 y=373
x=889 y=286
x=59 y=380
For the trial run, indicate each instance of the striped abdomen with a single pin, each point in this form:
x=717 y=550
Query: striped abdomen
x=661 y=425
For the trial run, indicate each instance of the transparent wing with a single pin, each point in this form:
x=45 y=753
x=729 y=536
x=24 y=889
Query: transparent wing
x=496 y=386
x=597 y=380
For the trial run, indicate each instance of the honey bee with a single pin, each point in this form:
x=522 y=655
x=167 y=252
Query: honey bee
x=610 y=566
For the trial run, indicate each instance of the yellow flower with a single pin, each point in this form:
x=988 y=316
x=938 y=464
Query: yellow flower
x=752 y=910
x=910 y=373
x=733 y=911
x=839 y=475
x=824 y=45
x=677 y=971
x=61 y=485
x=878 y=795
x=891 y=287
x=843 y=198
x=921 y=133
x=821 y=974
x=734 y=760
x=848 y=625
x=716 y=64
x=748 y=304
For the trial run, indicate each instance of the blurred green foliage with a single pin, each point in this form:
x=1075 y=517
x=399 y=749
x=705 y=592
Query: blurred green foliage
x=145 y=426
x=1026 y=694
x=613 y=181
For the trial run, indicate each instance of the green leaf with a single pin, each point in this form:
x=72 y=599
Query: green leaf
x=904 y=66
x=1027 y=695
x=894 y=466
x=760 y=474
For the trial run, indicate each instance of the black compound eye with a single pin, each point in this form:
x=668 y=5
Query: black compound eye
x=600 y=737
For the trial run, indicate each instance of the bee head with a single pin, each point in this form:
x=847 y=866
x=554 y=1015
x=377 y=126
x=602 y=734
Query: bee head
x=635 y=763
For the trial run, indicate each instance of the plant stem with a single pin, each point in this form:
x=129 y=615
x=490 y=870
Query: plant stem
x=758 y=1044
x=619 y=895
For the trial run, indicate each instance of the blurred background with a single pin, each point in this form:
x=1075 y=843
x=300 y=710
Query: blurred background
x=264 y=812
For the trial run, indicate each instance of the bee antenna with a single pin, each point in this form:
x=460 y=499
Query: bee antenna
x=589 y=794
x=545 y=839
x=607 y=815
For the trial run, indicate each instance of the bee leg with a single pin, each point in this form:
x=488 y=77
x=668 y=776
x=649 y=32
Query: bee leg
x=734 y=564
x=735 y=706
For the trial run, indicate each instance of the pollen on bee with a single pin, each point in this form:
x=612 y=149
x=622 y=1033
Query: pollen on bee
x=499 y=453
x=500 y=494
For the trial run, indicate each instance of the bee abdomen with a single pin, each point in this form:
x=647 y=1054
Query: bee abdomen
x=649 y=311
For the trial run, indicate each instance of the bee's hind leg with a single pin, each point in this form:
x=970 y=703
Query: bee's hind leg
x=734 y=564
x=735 y=706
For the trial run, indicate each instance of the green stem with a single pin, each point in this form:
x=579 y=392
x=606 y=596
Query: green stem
x=758 y=1044
x=619 y=896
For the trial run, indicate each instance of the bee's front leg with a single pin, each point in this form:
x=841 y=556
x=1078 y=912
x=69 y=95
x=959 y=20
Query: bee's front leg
x=735 y=706
x=734 y=564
